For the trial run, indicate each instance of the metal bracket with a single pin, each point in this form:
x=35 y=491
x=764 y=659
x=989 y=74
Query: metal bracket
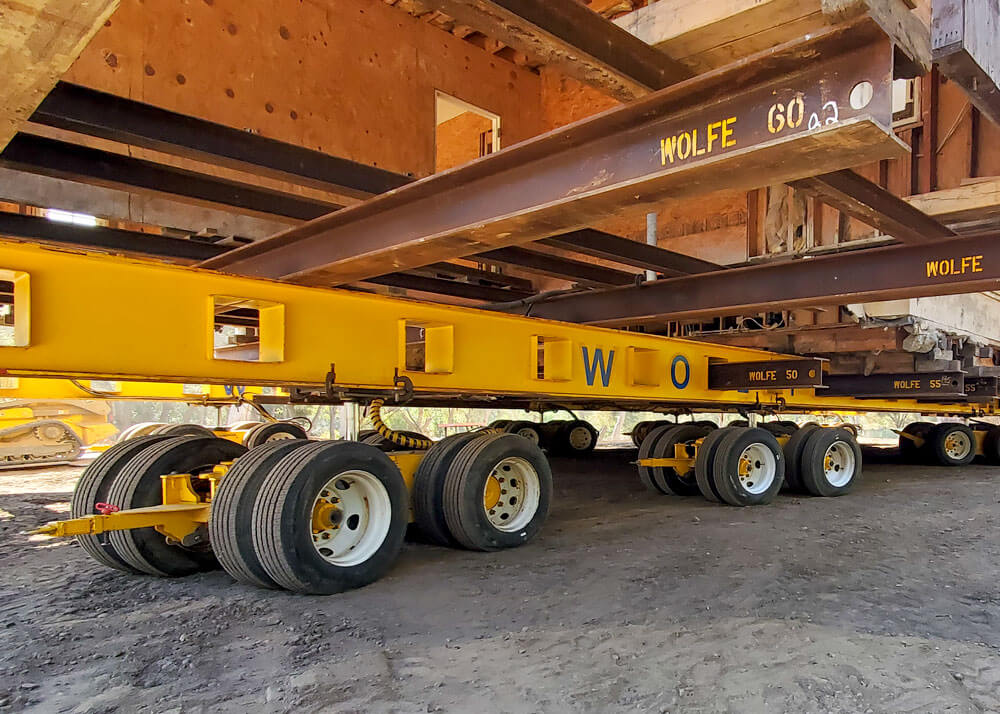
x=331 y=378
x=404 y=383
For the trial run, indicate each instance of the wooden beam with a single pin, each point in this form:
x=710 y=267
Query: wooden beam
x=973 y=202
x=870 y=203
x=907 y=31
x=571 y=38
x=966 y=47
x=705 y=35
x=38 y=43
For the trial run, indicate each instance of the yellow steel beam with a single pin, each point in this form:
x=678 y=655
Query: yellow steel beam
x=175 y=520
x=96 y=316
x=62 y=389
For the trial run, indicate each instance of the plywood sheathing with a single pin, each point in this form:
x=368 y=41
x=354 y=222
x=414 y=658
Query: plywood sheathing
x=351 y=78
x=39 y=40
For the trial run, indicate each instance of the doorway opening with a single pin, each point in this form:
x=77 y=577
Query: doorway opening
x=463 y=132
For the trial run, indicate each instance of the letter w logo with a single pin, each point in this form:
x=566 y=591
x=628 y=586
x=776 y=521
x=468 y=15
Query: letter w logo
x=590 y=367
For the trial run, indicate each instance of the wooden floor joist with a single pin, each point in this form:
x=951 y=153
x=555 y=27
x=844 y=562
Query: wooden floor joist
x=39 y=40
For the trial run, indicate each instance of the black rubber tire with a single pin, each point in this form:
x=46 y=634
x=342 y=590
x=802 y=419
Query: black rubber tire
x=991 y=446
x=910 y=452
x=704 y=461
x=549 y=429
x=811 y=466
x=231 y=526
x=639 y=432
x=725 y=469
x=465 y=483
x=93 y=487
x=646 y=452
x=666 y=478
x=268 y=431
x=283 y=517
x=937 y=444
x=181 y=430
x=498 y=424
x=138 y=485
x=364 y=434
x=562 y=445
x=706 y=423
x=793 y=457
x=743 y=423
x=789 y=424
x=428 y=489
x=521 y=427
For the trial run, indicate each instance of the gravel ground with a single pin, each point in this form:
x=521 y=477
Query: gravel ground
x=882 y=601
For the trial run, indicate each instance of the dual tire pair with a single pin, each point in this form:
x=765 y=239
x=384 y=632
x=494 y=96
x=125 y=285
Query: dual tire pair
x=310 y=517
x=482 y=491
x=740 y=466
x=948 y=444
x=736 y=465
x=822 y=461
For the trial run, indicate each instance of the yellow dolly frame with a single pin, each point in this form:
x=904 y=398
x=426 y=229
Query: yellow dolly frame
x=319 y=517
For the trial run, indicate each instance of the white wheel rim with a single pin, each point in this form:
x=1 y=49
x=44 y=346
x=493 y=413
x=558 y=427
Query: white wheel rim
x=351 y=517
x=839 y=464
x=757 y=468
x=957 y=445
x=529 y=433
x=511 y=494
x=580 y=438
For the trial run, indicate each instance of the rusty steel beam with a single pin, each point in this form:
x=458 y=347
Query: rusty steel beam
x=777 y=116
x=568 y=36
x=556 y=266
x=61 y=159
x=598 y=244
x=108 y=116
x=960 y=265
x=452 y=288
x=475 y=275
x=870 y=203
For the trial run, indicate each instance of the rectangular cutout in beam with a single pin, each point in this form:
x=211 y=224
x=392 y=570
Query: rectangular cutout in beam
x=553 y=358
x=427 y=347
x=15 y=308
x=256 y=335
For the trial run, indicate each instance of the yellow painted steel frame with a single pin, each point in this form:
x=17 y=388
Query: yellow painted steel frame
x=148 y=321
x=32 y=388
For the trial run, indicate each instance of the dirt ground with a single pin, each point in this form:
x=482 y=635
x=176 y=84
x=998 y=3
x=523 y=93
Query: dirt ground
x=882 y=601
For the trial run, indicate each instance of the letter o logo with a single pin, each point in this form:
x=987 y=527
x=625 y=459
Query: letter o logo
x=680 y=384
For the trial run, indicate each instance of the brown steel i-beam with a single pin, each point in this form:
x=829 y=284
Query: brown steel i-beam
x=557 y=266
x=607 y=246
x=777 y=116
x=958 y=265
x=870 y=203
